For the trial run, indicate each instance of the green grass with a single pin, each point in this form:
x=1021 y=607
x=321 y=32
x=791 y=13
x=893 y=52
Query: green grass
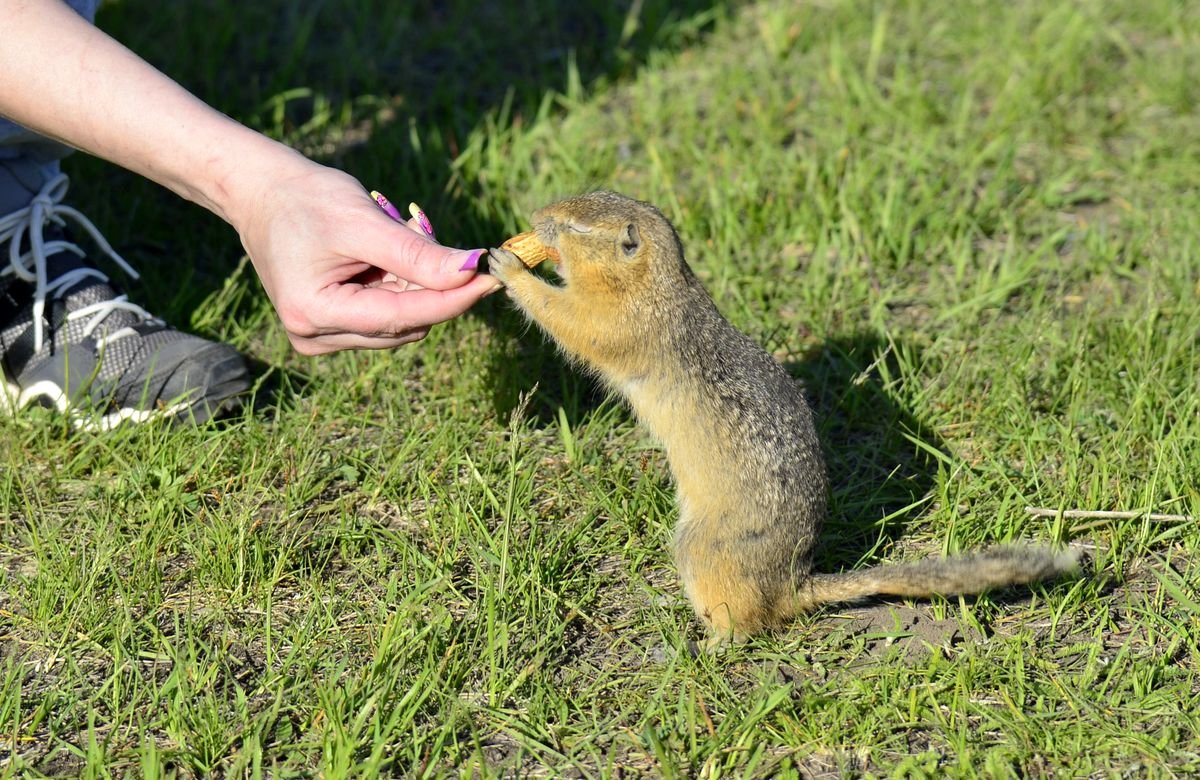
x=971 y=228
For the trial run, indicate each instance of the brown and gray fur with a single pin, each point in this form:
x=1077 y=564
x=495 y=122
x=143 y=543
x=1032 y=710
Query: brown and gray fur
x=737 y=430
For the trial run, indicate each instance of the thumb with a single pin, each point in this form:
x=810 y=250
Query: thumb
x=394 y=248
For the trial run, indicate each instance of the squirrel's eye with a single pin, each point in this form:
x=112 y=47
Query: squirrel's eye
x=631 y=240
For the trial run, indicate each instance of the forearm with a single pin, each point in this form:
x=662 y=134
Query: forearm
x=68 y=80
x=340 y=272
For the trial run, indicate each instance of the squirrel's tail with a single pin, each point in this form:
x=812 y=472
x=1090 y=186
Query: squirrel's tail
x=960 y=574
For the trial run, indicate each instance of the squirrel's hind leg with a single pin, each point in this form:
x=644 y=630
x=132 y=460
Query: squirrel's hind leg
x=730 y=606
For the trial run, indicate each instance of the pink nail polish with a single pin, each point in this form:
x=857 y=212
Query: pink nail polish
x=472 y=261
x=419 y=215
x=387 y=206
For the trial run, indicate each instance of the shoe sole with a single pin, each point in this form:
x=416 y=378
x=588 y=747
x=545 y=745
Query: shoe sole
x=13 y=399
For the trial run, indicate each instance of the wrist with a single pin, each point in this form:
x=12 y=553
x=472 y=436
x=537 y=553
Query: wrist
x=237 y=169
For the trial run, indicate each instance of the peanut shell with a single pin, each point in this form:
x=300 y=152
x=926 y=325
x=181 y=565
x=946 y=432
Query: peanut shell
x=529 y=248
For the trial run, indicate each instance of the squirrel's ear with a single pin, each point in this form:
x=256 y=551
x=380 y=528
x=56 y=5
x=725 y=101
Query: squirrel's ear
x=631 y=240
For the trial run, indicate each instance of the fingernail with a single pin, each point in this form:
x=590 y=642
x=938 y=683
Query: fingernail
x=496 y=288
x=387 y=206
x=421 y=219
x=472 y=261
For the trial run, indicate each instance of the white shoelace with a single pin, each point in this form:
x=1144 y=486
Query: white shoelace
x=46 y=208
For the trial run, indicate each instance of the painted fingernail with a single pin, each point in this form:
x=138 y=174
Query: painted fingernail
x=387 y=206
x=421 y=219
x=472 y=261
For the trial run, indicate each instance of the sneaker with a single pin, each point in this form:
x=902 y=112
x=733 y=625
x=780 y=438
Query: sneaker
x=70 y=341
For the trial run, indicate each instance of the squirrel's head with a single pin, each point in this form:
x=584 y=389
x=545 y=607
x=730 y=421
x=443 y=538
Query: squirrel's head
x=609 y=243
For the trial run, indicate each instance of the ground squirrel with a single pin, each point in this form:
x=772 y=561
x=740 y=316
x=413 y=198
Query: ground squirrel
x=737 y=430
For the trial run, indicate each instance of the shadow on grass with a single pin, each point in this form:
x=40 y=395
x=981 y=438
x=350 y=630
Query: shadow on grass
x=878 y=475
x=521 y=359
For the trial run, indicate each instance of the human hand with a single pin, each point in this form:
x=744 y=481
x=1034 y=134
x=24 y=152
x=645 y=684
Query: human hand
x=342 y=274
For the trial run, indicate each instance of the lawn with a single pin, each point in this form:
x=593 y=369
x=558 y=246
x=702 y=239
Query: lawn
x=971 y=228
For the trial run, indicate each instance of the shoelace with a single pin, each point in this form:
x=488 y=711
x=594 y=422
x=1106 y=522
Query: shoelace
x=47 y=208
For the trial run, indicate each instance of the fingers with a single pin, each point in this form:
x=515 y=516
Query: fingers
x=337 y=342
x=411 y=254
x=418 y=222
x=383 y=311
x=453 y=268
x=357 y=317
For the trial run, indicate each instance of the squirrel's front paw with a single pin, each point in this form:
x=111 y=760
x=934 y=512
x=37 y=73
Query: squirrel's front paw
x=504 y=265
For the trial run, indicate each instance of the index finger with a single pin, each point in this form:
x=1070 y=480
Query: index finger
x=395 y=248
